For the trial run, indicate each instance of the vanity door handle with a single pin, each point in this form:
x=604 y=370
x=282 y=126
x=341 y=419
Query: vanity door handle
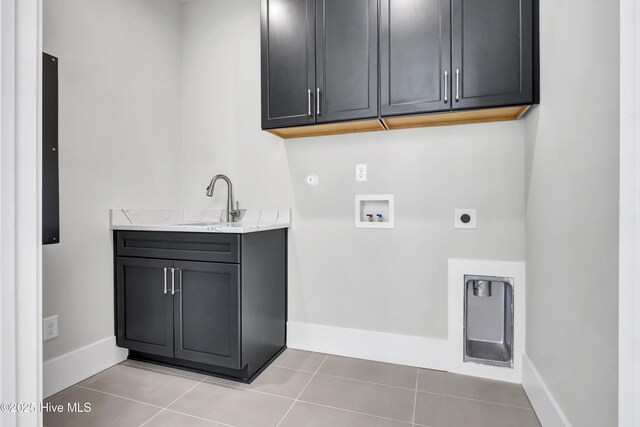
x=457 y=85
x=318 y=111
x=446 y=87
x=309 y=102
x=165 y=280
x=173 y=280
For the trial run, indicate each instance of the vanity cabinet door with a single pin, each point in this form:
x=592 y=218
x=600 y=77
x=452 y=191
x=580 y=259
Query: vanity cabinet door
x=288 y=63
x=207 y=313
x=346 y=60
x=144 y=305
x=415 y=56
x=492 y=53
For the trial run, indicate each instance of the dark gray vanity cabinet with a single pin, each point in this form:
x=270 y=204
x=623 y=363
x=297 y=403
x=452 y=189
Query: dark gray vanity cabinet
x=415 y=56
x=492 y=53
x=203 y=301
x=346 y=60
x=319 y=61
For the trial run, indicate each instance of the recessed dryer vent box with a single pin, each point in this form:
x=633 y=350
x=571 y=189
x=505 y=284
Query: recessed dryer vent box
x=374 y=211
x=488 y=320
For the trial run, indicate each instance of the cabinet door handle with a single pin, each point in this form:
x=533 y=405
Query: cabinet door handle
x=457 y=85
x=309 y=102
x=173 y=280
x=446 y=87
x=165 y=280
x=318 y=110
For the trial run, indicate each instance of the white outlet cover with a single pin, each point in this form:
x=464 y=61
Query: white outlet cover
x=460 y=215
x=50 y=328
x=361 y=172
x=311 y=179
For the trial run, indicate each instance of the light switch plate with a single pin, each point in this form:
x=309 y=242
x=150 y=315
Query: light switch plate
x=465 y=219
x=361 y=173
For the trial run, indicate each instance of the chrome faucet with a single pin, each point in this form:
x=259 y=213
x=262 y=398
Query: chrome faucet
x=231 y=213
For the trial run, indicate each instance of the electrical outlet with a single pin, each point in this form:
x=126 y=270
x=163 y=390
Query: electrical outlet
x=361 y=173
x=50 y=327
x=465 y=218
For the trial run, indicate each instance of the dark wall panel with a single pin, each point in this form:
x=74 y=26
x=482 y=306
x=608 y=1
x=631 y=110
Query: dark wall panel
x=50 y=184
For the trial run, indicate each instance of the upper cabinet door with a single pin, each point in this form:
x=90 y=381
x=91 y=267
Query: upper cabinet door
x=288 y=63
x=415 y=56
x=492 y=53
x=347 y=60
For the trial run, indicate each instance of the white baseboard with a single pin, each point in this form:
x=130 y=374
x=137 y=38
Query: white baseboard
x=549 y=412
x=407 y=350
x=70 y=368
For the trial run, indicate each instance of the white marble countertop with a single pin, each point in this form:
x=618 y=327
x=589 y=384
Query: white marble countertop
x=198 y=220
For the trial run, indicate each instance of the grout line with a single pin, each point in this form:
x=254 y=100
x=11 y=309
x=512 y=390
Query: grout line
x=349 y=378
x=367 y=382
x=291 y=369
x=199 y=418
x=328 y=375
x=314 y=374
x=476 y=400
x=121 y=397
x=97 y=376
x=174 y=401
x=159 y=369
x=415 y=399
x=302 y=391
x=356 y=412
x=155 y=415
x=212 y=381
x=68 y=391
x=299 y=400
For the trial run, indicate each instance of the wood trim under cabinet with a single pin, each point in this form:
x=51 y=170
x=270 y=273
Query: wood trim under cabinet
x=328 y=129
x=457 y=118
x=407 y=122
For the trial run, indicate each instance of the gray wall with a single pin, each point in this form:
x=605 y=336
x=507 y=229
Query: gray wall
x=572 y=211
x=156 y=98
x=380 y=280
x=119 y=145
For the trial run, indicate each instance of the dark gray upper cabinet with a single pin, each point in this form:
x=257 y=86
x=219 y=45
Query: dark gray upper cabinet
x=288 y=63
x=144 y=305
x=346 y=60
x=415 y=56
x=206 y=313
x=492 y=53
x=336 y=61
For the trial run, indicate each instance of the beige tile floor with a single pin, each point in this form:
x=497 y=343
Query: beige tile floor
x=299 y=389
